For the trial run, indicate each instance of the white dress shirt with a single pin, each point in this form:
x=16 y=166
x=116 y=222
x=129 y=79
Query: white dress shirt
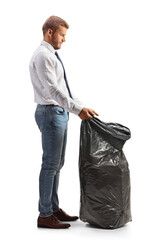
x=47 y=76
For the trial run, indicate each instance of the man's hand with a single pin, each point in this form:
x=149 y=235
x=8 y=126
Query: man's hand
x=87 y=113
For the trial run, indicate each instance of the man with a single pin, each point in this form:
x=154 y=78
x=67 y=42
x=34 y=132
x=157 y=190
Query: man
x=54 y=102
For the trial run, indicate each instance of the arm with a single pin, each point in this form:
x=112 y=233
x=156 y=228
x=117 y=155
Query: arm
x=45 y=68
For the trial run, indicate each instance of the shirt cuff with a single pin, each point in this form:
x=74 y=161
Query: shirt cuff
x=76 y=109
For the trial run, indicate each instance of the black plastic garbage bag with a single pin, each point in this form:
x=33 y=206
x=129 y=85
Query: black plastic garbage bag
x=104 y=174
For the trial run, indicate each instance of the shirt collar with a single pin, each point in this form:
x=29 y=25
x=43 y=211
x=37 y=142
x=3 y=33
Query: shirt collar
x=48 y=45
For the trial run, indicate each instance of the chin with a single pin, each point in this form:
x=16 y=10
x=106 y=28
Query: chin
x=57 y=47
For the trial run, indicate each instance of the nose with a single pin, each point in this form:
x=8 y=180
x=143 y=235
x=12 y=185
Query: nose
x=64 y=39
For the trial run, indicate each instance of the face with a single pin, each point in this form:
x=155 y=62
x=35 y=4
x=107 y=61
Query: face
x=58 y=37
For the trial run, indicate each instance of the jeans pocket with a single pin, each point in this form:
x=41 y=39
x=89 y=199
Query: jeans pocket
x=58 y=110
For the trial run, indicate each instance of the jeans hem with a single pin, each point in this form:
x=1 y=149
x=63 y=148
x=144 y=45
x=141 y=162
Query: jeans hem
x=48 y=215
x=54 y=211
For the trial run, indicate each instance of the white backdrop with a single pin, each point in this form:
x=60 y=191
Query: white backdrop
x=112 y=59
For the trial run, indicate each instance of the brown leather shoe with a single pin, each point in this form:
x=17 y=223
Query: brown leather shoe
x=51 y=222
x=63 y=216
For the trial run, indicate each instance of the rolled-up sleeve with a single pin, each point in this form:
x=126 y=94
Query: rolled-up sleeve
x=45 y=69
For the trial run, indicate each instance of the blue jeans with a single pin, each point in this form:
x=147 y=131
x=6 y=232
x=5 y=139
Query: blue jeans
x=52 y=122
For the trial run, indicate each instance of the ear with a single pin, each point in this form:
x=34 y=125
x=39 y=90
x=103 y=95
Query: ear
x=50 y=32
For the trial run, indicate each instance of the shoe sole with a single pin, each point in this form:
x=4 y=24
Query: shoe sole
x=68 y=220
x=43 y=226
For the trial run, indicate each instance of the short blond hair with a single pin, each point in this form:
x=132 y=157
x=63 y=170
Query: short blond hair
x=53 y=22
